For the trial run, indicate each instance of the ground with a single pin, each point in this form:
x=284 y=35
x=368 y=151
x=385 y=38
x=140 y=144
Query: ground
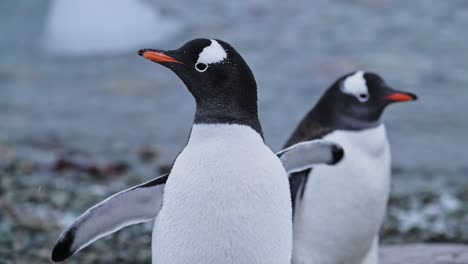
x=424 y=254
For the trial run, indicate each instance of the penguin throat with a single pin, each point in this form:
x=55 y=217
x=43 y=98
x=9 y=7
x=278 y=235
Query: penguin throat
x=346 y=119
x=352 y=122
x=224 y=112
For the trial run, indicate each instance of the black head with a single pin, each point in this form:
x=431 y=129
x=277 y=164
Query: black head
x=356 y=101
x=217 y=76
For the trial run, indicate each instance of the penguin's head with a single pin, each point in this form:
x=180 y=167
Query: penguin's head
x=214 y=73
x=358 y=99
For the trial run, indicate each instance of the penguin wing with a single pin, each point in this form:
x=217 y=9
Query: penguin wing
x=303 y=156
x=297 y=183
x=307 y=130
x=135 y=205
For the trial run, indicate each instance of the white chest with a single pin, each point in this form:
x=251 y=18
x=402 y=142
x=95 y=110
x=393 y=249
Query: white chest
x=344 y=205
x=367 y=157
x=226 y=201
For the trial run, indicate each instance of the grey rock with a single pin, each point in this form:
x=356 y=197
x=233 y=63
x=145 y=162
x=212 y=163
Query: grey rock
x=424 y=254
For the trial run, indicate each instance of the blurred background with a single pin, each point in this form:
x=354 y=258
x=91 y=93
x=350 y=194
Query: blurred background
x=82 y=116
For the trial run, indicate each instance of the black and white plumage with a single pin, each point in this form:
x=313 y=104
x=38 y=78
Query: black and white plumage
x=338 y=210
x=142 y=203
x=227 y=193
x=227 y=196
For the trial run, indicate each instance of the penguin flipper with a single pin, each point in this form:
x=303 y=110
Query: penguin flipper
x=305 y=155
x=297 y=183
x=131 y=206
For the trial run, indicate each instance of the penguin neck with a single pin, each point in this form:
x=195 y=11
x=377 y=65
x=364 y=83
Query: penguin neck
x=331 y=116
x=227 y=112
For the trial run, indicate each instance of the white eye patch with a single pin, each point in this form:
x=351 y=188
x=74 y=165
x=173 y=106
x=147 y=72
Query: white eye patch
x=214 y=53
x=356 y=85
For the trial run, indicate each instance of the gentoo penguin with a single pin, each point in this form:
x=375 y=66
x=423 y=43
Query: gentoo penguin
x=226 y=199
x=338 y=210
x=142 y=203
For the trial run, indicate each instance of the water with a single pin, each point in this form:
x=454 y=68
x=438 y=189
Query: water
x=109 y=104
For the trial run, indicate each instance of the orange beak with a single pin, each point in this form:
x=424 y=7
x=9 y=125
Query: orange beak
x=157 y=56
x=401 y=97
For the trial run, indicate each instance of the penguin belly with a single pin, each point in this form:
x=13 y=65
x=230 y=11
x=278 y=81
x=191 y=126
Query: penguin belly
x=227 y=200
x=344 y=205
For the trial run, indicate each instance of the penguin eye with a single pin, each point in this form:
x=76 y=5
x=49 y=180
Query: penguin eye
x=363 y=97
x=201 y=67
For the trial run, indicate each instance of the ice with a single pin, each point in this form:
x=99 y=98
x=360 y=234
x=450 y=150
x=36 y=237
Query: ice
x=107 y=26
